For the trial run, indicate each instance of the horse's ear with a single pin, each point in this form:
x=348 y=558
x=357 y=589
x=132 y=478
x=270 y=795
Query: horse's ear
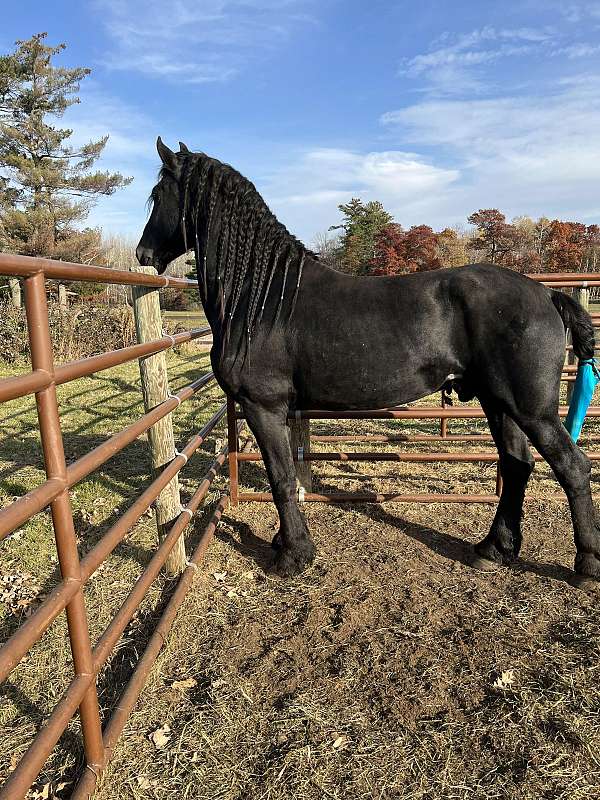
x=183 y=148
x=167 y=156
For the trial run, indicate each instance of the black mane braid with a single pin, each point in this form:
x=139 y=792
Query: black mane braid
x=251 y=248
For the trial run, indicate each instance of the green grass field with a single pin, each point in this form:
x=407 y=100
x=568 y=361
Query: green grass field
x=195 y=318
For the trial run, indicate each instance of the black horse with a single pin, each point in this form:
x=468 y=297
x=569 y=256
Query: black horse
x=291 y=333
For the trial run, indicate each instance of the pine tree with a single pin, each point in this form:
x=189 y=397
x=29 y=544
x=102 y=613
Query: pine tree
x=47 y=186
x=361 y=226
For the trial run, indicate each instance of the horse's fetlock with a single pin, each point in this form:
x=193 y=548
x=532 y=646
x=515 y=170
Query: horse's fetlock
x=587 y=564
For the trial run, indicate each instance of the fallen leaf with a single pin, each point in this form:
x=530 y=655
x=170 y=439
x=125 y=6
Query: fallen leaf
x=188 y=683
x=506 y=680
x=161 y=736
x=42 y=794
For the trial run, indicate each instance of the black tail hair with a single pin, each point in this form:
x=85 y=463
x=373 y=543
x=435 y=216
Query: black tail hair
x=579 y=321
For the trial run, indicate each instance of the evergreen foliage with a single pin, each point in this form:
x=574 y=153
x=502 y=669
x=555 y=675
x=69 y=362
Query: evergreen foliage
x=47 y=185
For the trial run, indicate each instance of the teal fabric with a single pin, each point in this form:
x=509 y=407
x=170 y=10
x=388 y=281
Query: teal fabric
x=585 y=383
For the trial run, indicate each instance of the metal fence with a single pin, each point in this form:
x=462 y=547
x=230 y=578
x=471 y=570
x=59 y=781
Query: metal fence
x=88 y=660
x=68 y=596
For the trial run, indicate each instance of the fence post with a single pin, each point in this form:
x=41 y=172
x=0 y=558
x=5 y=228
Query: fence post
x=299 y=433
x=444 y=420
x=582 y=295
x=155 y=388
x=14 y=285
x=62 y=296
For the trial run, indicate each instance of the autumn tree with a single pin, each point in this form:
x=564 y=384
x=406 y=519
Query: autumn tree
x=398 y=251
x=494 y=237
x=389 y=257
x=452 y=248
x=421 y=249
x=591 y=248
x=47 y=185
x=565 y=246
x=362 y=222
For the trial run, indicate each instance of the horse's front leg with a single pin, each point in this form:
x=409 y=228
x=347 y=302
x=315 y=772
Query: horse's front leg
x=294 y=545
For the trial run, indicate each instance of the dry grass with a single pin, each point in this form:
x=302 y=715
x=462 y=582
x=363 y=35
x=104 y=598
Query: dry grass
x=390 y=669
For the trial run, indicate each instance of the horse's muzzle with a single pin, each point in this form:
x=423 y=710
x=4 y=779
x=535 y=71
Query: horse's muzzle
x=145 y=256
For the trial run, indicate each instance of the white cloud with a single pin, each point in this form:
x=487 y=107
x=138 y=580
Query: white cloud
x=578 y=12
x=323 y=178
x=451 y=67
x=196 y=42
x=577 y=50
x=531 y=154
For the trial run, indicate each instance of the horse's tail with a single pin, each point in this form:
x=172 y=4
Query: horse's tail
x=579 y=321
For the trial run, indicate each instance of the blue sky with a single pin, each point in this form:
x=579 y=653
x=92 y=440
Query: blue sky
x=434 y=108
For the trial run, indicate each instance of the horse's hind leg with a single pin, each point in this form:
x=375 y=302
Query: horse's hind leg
x=572 y=469
x=294 y=545
x=503 y=542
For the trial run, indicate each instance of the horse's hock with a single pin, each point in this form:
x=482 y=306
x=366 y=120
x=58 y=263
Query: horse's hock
x=163 y=491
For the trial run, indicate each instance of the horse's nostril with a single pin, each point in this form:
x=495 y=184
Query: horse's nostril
x=144 y=256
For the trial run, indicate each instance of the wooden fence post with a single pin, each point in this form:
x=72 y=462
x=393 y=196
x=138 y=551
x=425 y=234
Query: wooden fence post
x=62 y=296
x=155 y=388
x=582 y=295
x=15 y=292
x=299 y=432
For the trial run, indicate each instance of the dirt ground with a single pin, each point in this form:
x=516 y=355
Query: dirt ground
x=390 y=669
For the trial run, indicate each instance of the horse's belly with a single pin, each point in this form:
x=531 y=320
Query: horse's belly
x=370 y=383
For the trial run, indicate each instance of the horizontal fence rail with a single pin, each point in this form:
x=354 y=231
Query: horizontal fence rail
x=54 y=492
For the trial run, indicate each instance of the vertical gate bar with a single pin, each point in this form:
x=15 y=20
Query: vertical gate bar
x=498 y=480
x=443 y=420
x=234 y=446
x=62 y=516
x=299 y=436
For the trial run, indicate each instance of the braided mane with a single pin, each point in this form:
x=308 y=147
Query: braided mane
x=251 y=246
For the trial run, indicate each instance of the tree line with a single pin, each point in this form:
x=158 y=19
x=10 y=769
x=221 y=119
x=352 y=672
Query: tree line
x=370 y=242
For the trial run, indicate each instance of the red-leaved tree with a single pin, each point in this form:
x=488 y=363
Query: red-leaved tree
x=389 y=257
x=398 y=251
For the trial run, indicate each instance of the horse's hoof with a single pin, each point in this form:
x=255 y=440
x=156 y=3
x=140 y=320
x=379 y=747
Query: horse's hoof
x=290 y=563
x=584 y=583
x=484 y=564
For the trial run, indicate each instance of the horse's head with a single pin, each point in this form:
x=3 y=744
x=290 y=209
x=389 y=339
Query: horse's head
x=163 y=237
